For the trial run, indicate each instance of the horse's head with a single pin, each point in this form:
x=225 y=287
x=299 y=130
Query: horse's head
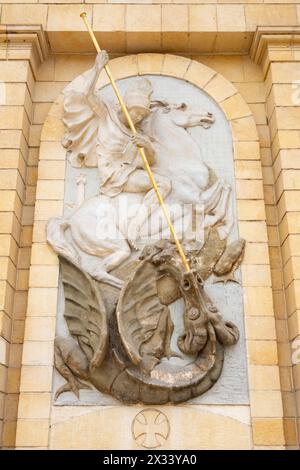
x=183 y=113
x=204 y=118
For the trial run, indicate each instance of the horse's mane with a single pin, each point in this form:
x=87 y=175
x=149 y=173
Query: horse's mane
x=165 y=105
x=160 y=104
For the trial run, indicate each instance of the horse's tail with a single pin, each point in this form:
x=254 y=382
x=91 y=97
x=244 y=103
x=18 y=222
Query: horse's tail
x=55 y=233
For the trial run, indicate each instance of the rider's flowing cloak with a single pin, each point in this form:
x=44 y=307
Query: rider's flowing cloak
x=83 y=122
x=82 y=125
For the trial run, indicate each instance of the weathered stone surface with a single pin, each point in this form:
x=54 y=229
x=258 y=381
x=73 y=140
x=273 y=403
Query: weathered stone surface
x=155 y=347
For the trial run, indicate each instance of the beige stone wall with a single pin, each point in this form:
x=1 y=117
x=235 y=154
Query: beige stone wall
x=281 y=72
x=178 y=26
x=36 y=381
x=16 y=218
x=35 y=67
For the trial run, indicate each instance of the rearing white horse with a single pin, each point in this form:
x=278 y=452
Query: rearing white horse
x=99 y=227
x=180 y=158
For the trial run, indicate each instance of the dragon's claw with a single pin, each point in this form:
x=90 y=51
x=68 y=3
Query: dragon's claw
x=73 y=386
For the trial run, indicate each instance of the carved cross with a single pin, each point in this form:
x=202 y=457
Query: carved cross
x=150 y=428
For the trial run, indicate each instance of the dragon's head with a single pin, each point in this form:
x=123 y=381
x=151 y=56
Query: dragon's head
x=190 y=284
x=194 y=337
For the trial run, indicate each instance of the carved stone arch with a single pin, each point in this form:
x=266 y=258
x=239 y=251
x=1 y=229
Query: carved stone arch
x=221 y=90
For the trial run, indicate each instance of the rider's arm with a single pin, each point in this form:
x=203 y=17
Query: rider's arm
x=142 y=140
x=150 y=154
x=91 y=80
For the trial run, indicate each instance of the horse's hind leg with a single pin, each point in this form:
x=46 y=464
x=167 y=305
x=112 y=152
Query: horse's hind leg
x=211 y=196
x=222 y=207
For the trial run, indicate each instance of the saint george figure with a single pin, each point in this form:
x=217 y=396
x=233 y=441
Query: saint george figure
x=98 y=135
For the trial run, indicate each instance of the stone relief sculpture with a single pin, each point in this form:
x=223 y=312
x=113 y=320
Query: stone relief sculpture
x=117 y=297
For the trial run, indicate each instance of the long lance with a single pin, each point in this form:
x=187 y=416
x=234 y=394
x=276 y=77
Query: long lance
x=140 y=149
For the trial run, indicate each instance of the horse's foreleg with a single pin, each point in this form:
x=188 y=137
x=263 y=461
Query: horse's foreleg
x=210 y=199
x=220 y=209
x=226 y=228
x=211 y=196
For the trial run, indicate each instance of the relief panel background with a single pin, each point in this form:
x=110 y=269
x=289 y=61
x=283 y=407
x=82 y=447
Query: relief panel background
x=217 y=152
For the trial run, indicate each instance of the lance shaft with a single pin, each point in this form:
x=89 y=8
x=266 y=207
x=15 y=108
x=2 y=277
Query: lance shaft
x=140 y=149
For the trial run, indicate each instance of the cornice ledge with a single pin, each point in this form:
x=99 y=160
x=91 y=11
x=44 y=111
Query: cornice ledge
x=23 y=36
x=276 y=35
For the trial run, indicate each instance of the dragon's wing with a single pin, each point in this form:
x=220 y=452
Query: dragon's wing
x=139 y=310
x=84 y=311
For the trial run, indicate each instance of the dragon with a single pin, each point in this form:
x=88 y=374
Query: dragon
x=120 y=348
